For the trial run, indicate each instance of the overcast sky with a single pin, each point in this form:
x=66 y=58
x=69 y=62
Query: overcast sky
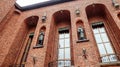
x=23 y=3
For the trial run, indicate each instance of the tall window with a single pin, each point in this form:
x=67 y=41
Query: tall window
x=26 y=51
x=64 y=57
x=104 y=45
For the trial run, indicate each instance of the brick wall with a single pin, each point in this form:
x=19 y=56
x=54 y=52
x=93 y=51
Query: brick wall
x=5 y=7
x=48 y=52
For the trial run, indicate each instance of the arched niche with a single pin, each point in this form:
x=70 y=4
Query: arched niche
x=61 y=23
x=98 y=15
x=118 y=16
x=80 y=31
x=43 y=28
x=79 y=23
x=27 y=31
x=31 y=21
x=62 y=16
x=41 y=38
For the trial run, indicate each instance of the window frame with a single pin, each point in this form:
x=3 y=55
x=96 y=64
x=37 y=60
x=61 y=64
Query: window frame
x=64 y=38
x=109 y=39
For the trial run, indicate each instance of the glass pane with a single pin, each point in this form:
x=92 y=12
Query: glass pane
x=61 y=54
x=102 y=30
x=60 y=63
x=64 y=49
x=109 y=48
x=61 y=35
x=67 y=63
x=113 y=58
x=101 y=49
x=67 y=43
x=105 y=59
x=67 y=53
x=98 y=38
x=67 y=35
x=95 y=30
x=104 y=37
x=61 y=43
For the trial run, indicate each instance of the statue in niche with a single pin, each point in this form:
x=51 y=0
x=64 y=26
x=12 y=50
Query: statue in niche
x=41 y=38
x=81 y=33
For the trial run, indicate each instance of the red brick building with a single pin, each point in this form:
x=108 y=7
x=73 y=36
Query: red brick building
x=74 y=33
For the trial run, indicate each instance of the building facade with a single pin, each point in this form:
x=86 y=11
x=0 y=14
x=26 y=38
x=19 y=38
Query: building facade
x=78 y=33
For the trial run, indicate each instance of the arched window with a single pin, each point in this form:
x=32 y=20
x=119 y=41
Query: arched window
x=30 y=24
x=62 y=42
x=104 y=28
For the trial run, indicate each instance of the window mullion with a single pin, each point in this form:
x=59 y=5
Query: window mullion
x=103 y=44
x=64 y=49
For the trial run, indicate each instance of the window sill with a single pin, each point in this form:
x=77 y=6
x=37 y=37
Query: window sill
x=85 y=40
x=38 y=46
x=110 y=63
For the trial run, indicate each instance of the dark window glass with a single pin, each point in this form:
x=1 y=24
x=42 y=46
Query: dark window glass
x=26 y=50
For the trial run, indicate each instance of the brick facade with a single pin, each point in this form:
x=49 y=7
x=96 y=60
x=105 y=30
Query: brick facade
x=5 y=7
x=15 y=28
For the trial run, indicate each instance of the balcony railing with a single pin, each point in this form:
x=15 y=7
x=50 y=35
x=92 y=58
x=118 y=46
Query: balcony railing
x=109 y=58
x=60 y=64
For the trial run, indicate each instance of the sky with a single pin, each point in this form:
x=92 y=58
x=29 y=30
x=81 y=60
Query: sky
x=23 y=3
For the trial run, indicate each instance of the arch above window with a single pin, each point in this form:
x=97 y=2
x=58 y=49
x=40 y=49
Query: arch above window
x=32 y=20
x=95 y=10
x=61 y=16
